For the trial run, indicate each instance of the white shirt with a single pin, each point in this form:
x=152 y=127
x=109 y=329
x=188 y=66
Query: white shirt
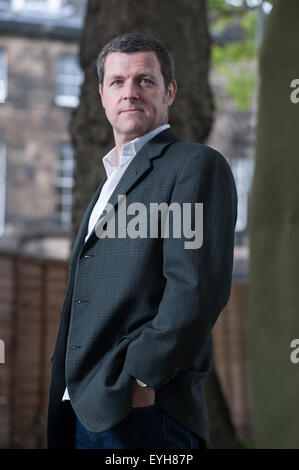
x=114 y=173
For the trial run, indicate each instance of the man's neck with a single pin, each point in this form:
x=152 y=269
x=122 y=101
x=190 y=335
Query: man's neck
x=120 y=141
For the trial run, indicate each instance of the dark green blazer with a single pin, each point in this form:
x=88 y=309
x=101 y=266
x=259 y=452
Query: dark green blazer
x=145 y=307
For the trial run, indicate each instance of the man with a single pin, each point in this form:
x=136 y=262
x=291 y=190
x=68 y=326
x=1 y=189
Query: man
x=134 y=341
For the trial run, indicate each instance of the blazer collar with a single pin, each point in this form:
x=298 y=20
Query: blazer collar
x=138 y=166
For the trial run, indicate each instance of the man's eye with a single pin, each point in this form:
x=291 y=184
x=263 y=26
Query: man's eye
x=116 y=82
x=145 y=80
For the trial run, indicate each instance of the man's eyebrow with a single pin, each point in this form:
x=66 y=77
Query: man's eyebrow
x=114 y=77
x=140 y=74
x=145 y=74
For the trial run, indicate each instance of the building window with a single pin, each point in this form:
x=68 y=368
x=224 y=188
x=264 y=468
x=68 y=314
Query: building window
x=5 y=4
x=69 y=80
x=242 y=168
x=3 y=75
x=2 y=186
x=52 y=6
x=64 y=182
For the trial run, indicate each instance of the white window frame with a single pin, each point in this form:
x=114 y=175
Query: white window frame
x=2 y=186
x=64 y=99
x=3 y=77
x=65 y=182
x=242 y=169
x=52 y=6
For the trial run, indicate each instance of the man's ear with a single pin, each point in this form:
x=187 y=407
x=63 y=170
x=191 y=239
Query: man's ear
x=101 y=94
x=171 y=92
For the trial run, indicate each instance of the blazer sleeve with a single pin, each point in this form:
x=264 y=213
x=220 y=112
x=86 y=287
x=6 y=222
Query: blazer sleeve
x=198 y=281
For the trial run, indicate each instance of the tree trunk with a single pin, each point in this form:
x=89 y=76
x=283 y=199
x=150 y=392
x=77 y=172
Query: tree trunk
x=182 y=27
x=274 y=234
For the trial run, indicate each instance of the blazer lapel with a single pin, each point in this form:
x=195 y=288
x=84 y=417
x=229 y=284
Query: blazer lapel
x=136 y=169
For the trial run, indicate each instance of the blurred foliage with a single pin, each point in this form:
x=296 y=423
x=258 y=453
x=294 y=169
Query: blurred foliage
x=234 y=60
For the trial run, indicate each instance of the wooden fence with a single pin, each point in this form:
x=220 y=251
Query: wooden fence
x=31 y=296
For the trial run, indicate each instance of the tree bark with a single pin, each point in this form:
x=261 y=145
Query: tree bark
x=274 y=234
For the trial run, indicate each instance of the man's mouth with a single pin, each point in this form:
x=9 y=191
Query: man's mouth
x=131 y=110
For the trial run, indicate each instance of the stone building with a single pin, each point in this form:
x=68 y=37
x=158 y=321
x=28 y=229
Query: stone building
x=233 y=134
x=40 y=80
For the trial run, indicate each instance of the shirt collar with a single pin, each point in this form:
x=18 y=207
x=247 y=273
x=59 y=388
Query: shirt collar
x=129 y=150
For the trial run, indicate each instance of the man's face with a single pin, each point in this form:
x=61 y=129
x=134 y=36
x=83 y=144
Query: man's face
x=134 y=95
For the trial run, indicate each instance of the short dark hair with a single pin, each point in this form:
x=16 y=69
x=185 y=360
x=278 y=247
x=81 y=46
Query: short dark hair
x=137 y=42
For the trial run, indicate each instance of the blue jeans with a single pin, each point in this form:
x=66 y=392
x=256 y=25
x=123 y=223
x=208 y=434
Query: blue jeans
x=147 y=427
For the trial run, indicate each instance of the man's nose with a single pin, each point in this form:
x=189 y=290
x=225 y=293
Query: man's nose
x=131 y=91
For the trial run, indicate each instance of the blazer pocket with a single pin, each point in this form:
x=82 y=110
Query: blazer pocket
x=133 y=335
